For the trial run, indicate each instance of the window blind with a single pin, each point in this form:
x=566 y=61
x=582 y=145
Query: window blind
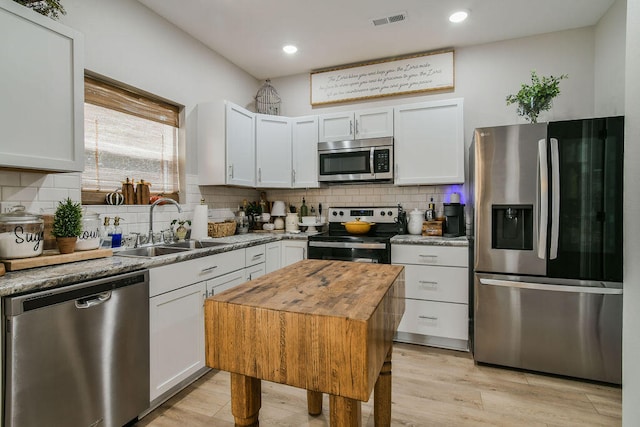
x=128 y=135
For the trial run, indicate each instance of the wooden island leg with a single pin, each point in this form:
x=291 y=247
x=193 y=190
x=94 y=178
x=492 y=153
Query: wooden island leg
x=314 y=402
x=245 y=400
x=344 y=412
x=382 y=394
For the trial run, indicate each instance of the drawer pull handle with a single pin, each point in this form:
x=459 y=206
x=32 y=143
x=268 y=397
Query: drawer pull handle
x=428 y=318
x=428 y=284
x=208 y=269
x=256 y=256
x=431 y=257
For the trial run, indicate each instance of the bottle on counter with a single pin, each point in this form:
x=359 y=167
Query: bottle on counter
x=304 y=210
x=106 y=232
x=116 y=233
x=430 y=213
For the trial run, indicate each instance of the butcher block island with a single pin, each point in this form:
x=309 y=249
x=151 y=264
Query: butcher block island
x=324 y=326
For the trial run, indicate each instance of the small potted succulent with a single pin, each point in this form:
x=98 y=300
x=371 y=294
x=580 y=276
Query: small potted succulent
x=536 y=97
x=181 y=231
x=67 y=225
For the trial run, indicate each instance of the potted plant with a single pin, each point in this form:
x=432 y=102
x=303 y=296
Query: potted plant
x=51 y=8
x=67 y=225
x=536 y=97
x=181 y=231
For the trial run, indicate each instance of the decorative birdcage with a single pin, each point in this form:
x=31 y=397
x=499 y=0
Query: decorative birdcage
x=267 y=99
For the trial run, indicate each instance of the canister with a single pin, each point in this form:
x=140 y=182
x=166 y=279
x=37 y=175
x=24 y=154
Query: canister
x=90 y=236
x=21 y=234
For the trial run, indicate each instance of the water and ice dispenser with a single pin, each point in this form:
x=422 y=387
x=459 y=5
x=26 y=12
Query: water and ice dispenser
x=512 y=227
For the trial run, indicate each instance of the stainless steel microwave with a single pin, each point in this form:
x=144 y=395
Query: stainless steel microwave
x=357 y=160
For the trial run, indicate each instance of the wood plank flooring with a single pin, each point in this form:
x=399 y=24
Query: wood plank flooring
x=431 y=387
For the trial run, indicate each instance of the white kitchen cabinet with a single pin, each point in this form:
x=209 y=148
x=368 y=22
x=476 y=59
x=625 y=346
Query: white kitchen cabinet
x=42 y=92
x=304 y=132
x=293 y=251
x=436 y=295
x=273 y=151
x=255 y=271
x=273 y=256
x=429 y=143
x=255 y=255
x=370 y=123
x=240 y=146
x=176 y=321
x=176 y=318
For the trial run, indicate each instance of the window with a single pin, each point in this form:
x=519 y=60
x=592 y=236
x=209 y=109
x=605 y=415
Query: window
x=127 y=135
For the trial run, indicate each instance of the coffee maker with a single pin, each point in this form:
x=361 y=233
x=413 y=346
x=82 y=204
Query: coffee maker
x=454 y=215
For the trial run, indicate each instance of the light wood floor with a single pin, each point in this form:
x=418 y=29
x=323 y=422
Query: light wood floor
x=431 y=387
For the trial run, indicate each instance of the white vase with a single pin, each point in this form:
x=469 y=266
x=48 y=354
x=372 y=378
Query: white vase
x=416 y=218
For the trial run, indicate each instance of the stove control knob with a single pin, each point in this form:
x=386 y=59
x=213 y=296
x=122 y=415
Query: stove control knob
x=335 y=213
x=341 y=213
x=390 y=213
x=382 y=213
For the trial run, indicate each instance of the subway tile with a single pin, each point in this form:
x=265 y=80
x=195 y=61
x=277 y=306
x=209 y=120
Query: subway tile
x=33 y=179
x=67 y=180
x=53 y=194
x=9 y=179
x=22 y=194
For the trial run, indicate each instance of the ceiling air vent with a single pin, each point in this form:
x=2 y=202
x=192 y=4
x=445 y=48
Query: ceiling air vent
x=396 y=17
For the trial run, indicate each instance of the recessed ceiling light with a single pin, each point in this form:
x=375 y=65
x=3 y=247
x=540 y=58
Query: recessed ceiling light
x=290 y=49
x=459 y=16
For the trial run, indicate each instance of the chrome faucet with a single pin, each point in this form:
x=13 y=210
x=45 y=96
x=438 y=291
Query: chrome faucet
x=153 y=205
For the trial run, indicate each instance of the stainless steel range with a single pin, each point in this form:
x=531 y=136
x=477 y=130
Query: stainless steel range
x=374 y=246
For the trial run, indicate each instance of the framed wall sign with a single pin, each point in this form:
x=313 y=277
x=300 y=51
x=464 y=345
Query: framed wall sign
x=410 y=74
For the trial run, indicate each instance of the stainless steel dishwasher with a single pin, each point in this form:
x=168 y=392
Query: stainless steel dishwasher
x=78 y=355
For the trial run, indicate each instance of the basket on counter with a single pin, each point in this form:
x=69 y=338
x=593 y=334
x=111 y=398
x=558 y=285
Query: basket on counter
x=221 y=229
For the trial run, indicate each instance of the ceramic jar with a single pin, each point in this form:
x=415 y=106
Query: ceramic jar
x=291 y=222
x=416 y=217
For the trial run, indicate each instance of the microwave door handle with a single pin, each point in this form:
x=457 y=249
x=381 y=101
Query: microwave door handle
x=555 y=198
x=544 y=198
x=371 y=155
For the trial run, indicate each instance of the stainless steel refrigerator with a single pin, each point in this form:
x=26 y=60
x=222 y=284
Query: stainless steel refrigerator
x=548 y=247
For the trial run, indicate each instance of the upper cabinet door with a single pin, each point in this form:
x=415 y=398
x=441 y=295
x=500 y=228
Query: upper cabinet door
x=337 y=127
x=374 y=123
x=429 y=143
x=241 y=147
x=42 y=87
x=273 y=151
x=305 y=151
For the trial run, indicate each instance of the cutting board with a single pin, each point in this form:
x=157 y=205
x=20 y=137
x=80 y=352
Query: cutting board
x=53 y=257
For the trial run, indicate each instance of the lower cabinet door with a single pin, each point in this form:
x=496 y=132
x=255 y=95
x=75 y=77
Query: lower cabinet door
x=255 y=271
x=176 y=321
x=439 y=319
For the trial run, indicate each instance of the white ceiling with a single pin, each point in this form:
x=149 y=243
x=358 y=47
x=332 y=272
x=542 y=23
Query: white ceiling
x=251 y=33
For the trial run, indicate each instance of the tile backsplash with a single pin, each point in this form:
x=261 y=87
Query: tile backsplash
x=40 y=192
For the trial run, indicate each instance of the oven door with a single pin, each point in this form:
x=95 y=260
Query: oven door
x=375 y=252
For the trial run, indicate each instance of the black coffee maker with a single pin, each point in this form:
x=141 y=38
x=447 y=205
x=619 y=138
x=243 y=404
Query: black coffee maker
x=454 y=214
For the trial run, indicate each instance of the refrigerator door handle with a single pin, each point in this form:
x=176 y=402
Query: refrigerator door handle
x=555 y=198
x=548 y=287
x=544 y=198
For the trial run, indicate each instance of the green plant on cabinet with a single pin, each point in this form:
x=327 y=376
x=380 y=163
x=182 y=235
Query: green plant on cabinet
x=536 y=97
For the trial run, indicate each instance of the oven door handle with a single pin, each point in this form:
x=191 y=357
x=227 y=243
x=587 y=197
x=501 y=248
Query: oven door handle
x=347 y=245
x=371 y=163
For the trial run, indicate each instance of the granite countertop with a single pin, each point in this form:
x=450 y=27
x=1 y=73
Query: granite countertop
x=411 y=239
x=33 y=279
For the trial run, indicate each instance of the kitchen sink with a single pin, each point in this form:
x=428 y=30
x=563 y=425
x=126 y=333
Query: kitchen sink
x=151 y=251
x=194 y=244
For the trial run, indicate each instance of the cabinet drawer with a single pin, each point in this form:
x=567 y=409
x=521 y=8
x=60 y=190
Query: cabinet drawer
x=174 y=276
x=446 y=284
x=255 y=255
x=440 y=319
x=430 y=255
x=228 y=281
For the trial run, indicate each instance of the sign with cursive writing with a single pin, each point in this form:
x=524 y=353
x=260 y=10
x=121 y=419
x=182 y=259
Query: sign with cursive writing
x=416 y=73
